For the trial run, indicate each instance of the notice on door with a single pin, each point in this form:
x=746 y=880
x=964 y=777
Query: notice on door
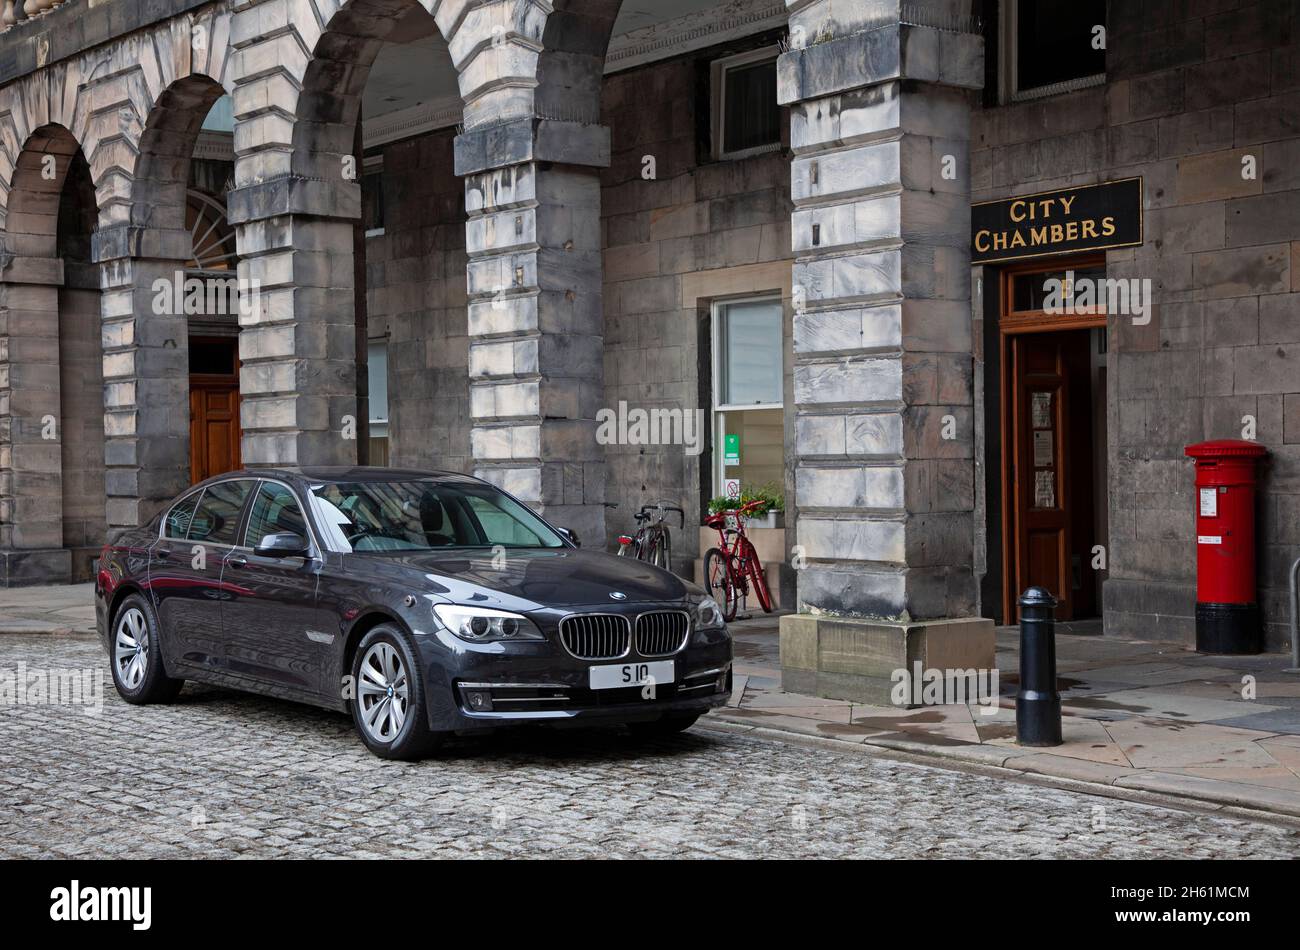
x=1043 y=448
x=1041 y=410
x=1045 y=489
x=1209 y=503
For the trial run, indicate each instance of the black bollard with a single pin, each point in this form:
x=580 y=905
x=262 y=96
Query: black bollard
x=1038 y=704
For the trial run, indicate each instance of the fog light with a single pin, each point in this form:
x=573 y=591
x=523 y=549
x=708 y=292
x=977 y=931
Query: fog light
x=722 y=682
x=479 y=700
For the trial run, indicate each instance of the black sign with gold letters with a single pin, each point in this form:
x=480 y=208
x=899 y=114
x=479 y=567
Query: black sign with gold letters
x=1086 y=218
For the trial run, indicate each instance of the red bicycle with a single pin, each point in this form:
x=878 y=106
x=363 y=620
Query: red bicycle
x=729 y=570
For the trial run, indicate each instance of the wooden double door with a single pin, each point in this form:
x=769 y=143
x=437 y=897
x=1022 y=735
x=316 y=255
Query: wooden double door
x=214 y=409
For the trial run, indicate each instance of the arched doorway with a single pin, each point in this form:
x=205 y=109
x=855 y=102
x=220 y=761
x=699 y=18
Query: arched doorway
x=52 y=511
x=215 y=431
x=185 y=170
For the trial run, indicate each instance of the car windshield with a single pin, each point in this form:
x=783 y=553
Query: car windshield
x=422 y=514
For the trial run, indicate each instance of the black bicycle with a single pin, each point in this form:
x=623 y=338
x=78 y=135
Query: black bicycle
x=653 y=541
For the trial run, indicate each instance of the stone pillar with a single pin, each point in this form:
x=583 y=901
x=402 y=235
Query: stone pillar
x=534 y=280
x=880 y=95
x=31 y=493
x=146 y=371
x=297 y=343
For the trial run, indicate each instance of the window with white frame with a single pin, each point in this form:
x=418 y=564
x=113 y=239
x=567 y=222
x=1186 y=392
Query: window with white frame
x=748 y=383
x=377 y=356
x=1051 y=46
x=746 y=114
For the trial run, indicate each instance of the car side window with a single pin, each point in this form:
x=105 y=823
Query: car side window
x=177 y=523
x=275 y=511
x=498 y=527
x=217 y=517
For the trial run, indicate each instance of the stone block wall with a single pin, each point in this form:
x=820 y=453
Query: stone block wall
x=415 y=296
x=81 y=398
x=700 y=230
x=1192 y=91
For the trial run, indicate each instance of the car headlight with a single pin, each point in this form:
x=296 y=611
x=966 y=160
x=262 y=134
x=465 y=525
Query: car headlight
x=484 y=625
x=708 y=614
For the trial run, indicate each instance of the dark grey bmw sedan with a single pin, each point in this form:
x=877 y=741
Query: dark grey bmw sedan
x=425 y=604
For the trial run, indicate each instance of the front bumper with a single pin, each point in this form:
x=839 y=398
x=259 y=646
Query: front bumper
x=541 y=683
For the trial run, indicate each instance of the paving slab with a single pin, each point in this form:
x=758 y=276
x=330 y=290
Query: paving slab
x=1083 y=739
x=1230 y=793
x=1152 y=673
x=1158 y=743
x=1278 y=720
x=772 y=699
x=1162 y=703
x=1285 y=750
x=1270 y=777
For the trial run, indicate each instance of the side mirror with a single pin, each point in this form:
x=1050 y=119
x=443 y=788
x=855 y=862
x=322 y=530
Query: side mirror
x=282 y=544
x=570 y=536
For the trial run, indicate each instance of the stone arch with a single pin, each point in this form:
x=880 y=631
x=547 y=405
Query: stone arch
x=103 y=99
x=52 y=506
x=145 y=333
x=529 y=74
x=296 y=208
x=571 y=65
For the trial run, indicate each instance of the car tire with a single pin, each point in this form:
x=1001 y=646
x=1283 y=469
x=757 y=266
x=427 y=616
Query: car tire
x=389 y=705
x=135 y=657
x=667 y=725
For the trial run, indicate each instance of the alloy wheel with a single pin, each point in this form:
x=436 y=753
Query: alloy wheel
x=131 y=648
x=383 y=692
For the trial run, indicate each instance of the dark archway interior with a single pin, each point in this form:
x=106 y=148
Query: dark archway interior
x=405 y=229
x=81 y=372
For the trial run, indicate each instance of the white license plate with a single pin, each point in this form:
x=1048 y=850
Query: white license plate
x=625 y=675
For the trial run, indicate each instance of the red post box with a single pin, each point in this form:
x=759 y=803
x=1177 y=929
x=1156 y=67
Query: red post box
x=1227 y=615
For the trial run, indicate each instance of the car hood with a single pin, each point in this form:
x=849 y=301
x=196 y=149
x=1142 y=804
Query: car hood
x=547 y=577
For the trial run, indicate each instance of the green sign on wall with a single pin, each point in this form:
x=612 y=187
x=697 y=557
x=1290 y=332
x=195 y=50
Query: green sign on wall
x=731 y=450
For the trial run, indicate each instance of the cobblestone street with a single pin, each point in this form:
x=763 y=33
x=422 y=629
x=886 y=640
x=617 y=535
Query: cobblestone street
x=225 y=775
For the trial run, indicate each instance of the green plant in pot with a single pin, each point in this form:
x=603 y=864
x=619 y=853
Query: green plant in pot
x=769 y=494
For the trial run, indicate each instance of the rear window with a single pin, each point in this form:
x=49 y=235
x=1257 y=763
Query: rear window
x=217 y=518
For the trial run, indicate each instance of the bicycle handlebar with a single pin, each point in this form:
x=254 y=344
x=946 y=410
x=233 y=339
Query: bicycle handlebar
x=662 y=509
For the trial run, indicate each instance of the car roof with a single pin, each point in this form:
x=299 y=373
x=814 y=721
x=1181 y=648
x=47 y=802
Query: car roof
x=344 y=473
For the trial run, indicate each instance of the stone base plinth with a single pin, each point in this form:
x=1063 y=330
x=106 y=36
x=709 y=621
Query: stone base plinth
x=33 y=568
x=856 y=660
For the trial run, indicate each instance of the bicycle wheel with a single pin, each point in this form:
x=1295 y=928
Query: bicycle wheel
x=661 y=550
x=718 y=579
x=757 y=577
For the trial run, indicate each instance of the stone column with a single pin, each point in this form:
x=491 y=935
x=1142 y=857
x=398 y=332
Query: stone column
x=880 y=95
x=297 y=345
x=146 y=371
x=535 y=318
x=31 y=492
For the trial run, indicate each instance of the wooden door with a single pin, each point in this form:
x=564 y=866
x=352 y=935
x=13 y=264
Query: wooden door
x=1041 y=466
x=214 y=427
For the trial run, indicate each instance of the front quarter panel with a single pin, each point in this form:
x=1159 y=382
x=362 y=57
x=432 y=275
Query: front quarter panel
x=356 y=588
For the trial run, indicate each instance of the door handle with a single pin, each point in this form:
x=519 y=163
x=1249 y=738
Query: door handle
x=162 y=554
x=238 y=561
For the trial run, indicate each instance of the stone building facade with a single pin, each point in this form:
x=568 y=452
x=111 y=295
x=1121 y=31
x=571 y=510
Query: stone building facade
x=523 y=215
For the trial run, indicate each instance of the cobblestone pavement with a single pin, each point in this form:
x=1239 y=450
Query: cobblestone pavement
x=221 y=774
